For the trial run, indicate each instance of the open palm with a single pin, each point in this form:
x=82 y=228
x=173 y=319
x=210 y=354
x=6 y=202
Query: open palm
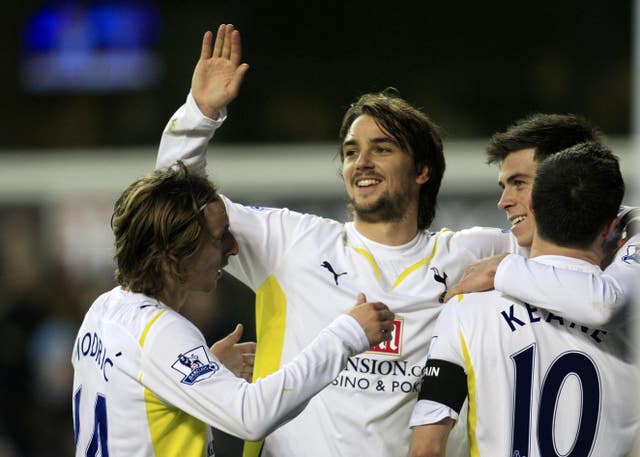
x=218 y=75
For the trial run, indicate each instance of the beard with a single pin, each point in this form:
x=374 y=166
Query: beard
x=385 y=209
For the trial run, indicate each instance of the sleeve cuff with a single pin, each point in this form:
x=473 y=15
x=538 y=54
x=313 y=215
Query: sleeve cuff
x=350 y=332
x=427 y=412
x=192 y=111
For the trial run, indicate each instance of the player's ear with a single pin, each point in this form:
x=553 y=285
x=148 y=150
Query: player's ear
x=424 y=173
x=170 y=266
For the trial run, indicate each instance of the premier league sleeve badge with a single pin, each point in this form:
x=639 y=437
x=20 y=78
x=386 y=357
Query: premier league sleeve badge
x=633 y=254
x=195 y=365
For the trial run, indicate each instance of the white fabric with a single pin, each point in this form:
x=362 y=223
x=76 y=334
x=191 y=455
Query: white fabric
x=593 y=299
x=373 y=397
x=345 y=419
x=499 y=334
x=430 y=412
x=129 y=342
x=186 y=133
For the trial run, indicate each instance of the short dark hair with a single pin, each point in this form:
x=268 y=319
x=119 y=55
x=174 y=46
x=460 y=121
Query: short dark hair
x=546 y=133
x=414 y=131
x=576 y=193
x=157 y=219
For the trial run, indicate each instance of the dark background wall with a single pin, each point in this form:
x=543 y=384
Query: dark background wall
x=473 y=66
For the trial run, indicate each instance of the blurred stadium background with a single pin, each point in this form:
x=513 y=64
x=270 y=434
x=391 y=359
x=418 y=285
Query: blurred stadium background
x=88 y=87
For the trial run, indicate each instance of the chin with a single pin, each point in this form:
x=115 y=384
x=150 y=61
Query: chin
x=524 y=241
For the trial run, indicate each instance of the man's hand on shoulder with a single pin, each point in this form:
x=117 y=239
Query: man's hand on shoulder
x=477 y=277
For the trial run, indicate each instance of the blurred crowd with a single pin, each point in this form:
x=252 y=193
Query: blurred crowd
x=42 y=303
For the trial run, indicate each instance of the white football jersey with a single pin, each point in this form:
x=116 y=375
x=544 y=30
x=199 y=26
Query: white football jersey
x=305 y=270
x=537 y=384
x=594 y=299
x=145 y=383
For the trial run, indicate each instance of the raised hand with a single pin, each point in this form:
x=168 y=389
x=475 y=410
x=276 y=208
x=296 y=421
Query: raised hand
x=237 y=357
x=477 y=277
x=218 y=74
x=375 y=318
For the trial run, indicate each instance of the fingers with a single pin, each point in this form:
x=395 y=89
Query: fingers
x=387 y=327
x=234 y=337
x=248 y=347
x=248 y=358
x=217 y=50
x=205 y=52
x=383 y=311
x=227 y=39
x=375 y=318
x=237 y=78
x=452 y=293
x=246 y=371
x=235 y=53
x=470 y=268
x=385 y=318
x=226 y=44
x=379 y=306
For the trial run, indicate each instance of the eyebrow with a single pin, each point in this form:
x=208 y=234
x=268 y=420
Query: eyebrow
x=377 y=140
x=513 y=177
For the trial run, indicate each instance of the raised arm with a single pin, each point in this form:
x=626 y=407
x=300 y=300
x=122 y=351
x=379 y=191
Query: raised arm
x=216 y=82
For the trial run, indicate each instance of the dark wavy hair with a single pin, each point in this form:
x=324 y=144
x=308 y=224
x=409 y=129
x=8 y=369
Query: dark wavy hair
x=414 y=132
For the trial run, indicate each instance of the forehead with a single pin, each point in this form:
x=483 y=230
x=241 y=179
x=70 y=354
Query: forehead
x=215 y=214
x=521 y=162
x=365 y=127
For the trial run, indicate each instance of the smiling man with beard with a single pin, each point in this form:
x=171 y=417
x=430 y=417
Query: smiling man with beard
x=392 y=165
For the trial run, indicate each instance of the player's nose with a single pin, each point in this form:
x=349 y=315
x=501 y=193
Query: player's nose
x=232 y=248
x=505 y=200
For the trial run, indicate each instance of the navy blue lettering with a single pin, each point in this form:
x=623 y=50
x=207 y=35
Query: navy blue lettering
x=86 y=338
x=352 y=364
x=104 y=370
x=94 y=345
x=91 y=345
x=530 y=311
x=553 y=317
x=382 y=367
x=511 y=318
x=99 y=351
x=596 y=335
